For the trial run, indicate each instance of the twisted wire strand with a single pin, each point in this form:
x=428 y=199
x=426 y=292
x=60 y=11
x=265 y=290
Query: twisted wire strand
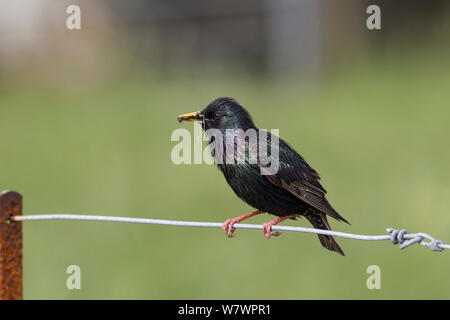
x=402 y=236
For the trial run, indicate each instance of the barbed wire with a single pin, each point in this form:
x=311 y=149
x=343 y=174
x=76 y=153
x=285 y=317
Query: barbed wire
x=396 y=236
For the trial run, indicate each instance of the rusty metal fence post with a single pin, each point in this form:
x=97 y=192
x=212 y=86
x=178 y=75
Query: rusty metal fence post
x=10 y=246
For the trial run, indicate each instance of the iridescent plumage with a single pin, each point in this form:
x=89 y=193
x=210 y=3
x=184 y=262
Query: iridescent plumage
x=294 y=190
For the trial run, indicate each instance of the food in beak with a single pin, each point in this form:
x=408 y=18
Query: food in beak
x=189 y=117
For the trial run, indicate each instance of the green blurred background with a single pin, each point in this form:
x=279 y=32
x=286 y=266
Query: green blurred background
x=86 y=118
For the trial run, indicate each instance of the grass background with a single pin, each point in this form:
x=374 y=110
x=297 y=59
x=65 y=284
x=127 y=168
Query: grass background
x=377 y=132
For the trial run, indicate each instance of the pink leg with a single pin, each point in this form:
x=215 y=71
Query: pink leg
x=267 y=227
x=228 y=225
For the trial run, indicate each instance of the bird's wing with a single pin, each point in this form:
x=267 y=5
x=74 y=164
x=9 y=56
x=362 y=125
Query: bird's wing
x=297 y=177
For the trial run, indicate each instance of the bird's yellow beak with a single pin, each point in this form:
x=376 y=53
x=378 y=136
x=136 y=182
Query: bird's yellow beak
x=193 y=116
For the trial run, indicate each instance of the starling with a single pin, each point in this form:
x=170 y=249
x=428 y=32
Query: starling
x=292 y=191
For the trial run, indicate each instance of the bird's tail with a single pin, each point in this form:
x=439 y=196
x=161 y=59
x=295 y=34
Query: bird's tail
x=319 y=221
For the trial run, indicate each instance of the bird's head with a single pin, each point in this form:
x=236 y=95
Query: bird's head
x=221 y=114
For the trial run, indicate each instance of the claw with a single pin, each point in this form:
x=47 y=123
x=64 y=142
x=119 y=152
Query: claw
x=267 y=230
x=228 y=226
x=267 y=227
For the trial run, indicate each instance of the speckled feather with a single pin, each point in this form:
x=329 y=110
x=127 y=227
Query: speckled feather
x=294 y=189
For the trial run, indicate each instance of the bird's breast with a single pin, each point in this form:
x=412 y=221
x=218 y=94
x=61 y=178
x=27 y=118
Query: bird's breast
x=257 y=191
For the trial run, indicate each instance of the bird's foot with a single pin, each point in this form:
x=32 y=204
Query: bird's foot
x=267 y=227
x=267 y=230
x=228 y=226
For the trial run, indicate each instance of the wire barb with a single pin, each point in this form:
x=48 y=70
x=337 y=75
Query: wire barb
x=407 y=239
x=396 y=236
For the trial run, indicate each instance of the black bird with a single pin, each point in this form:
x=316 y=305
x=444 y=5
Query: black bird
x=293 y=190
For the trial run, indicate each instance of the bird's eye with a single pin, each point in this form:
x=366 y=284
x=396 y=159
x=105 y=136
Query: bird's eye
x=216 y=116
